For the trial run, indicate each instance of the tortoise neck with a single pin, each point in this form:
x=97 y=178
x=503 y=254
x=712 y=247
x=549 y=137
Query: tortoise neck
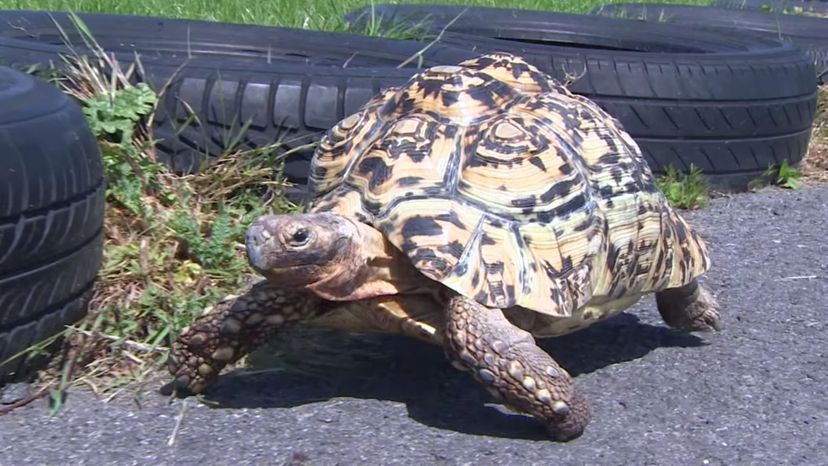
x=374 y=268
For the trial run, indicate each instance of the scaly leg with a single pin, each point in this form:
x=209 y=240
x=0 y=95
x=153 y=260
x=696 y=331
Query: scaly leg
x=690 y=308
x=506 y=360
x=231 y=329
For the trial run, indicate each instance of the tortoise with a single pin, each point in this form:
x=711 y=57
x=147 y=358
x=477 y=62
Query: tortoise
x=475 y=207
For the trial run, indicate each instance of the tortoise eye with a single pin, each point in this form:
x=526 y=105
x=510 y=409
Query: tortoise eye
x=299 y=237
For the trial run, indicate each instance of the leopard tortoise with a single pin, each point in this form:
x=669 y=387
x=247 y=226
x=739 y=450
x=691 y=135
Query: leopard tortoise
x=475 y=207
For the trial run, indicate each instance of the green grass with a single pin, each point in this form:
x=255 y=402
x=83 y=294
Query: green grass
x=684 y=190
x=784 y=176
x=313 y=14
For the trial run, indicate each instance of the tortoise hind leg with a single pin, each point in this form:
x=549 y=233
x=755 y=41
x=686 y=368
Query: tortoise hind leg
x=232 y=329
x=690 y=308
x=505 y=359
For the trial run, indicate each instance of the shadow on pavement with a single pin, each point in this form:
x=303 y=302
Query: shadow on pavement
x=310 y=365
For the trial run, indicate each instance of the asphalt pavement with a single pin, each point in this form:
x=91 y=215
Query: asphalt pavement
x=755 y=393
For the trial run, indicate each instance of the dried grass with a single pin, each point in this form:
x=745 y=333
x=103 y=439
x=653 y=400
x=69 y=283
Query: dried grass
x=815 y=164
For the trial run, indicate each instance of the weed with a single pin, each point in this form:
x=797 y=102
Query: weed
x=784 y=176
x=788 y=176
x=684 y=190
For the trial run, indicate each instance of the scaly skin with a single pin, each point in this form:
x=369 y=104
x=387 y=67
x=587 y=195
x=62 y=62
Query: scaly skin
x=506 y=360
x=233 y=328
x=690 y=308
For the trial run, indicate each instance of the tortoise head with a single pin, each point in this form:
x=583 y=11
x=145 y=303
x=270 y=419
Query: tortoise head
x=331 y=255
x=297 y=250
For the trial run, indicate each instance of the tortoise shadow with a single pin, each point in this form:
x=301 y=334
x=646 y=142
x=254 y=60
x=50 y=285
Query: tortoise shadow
x=313 y=365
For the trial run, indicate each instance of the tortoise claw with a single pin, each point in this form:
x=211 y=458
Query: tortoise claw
x=177 y=388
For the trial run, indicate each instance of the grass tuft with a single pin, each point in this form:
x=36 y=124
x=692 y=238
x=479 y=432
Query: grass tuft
x=684 y=190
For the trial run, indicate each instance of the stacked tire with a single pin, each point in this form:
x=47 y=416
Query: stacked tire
x=51 y=215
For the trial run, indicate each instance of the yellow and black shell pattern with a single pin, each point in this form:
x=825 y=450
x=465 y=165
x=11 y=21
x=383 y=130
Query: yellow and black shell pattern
x=502 y=185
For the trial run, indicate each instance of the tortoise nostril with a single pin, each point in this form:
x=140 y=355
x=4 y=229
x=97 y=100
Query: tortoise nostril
x=257 y=236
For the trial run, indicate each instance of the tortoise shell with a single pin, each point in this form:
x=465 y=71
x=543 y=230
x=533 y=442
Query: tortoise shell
x=502 y=185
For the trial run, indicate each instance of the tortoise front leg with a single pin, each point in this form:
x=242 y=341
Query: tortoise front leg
x=506 y=360
x=231 y=329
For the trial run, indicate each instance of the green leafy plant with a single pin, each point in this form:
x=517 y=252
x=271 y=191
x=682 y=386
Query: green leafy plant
x=788 y=176
x=784 y=176
x=114 y=118
x=684 y=190
x=117 y=113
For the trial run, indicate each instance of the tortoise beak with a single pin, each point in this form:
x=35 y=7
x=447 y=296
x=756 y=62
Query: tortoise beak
x=257 y=236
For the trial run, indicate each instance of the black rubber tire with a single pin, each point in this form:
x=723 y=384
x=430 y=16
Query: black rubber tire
x=808 y=33
x=819 y=7
x=292 y=103
x=285 y=102
x=293 y=84
x=729 y=103
x=176 y=40
x=51 y=215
